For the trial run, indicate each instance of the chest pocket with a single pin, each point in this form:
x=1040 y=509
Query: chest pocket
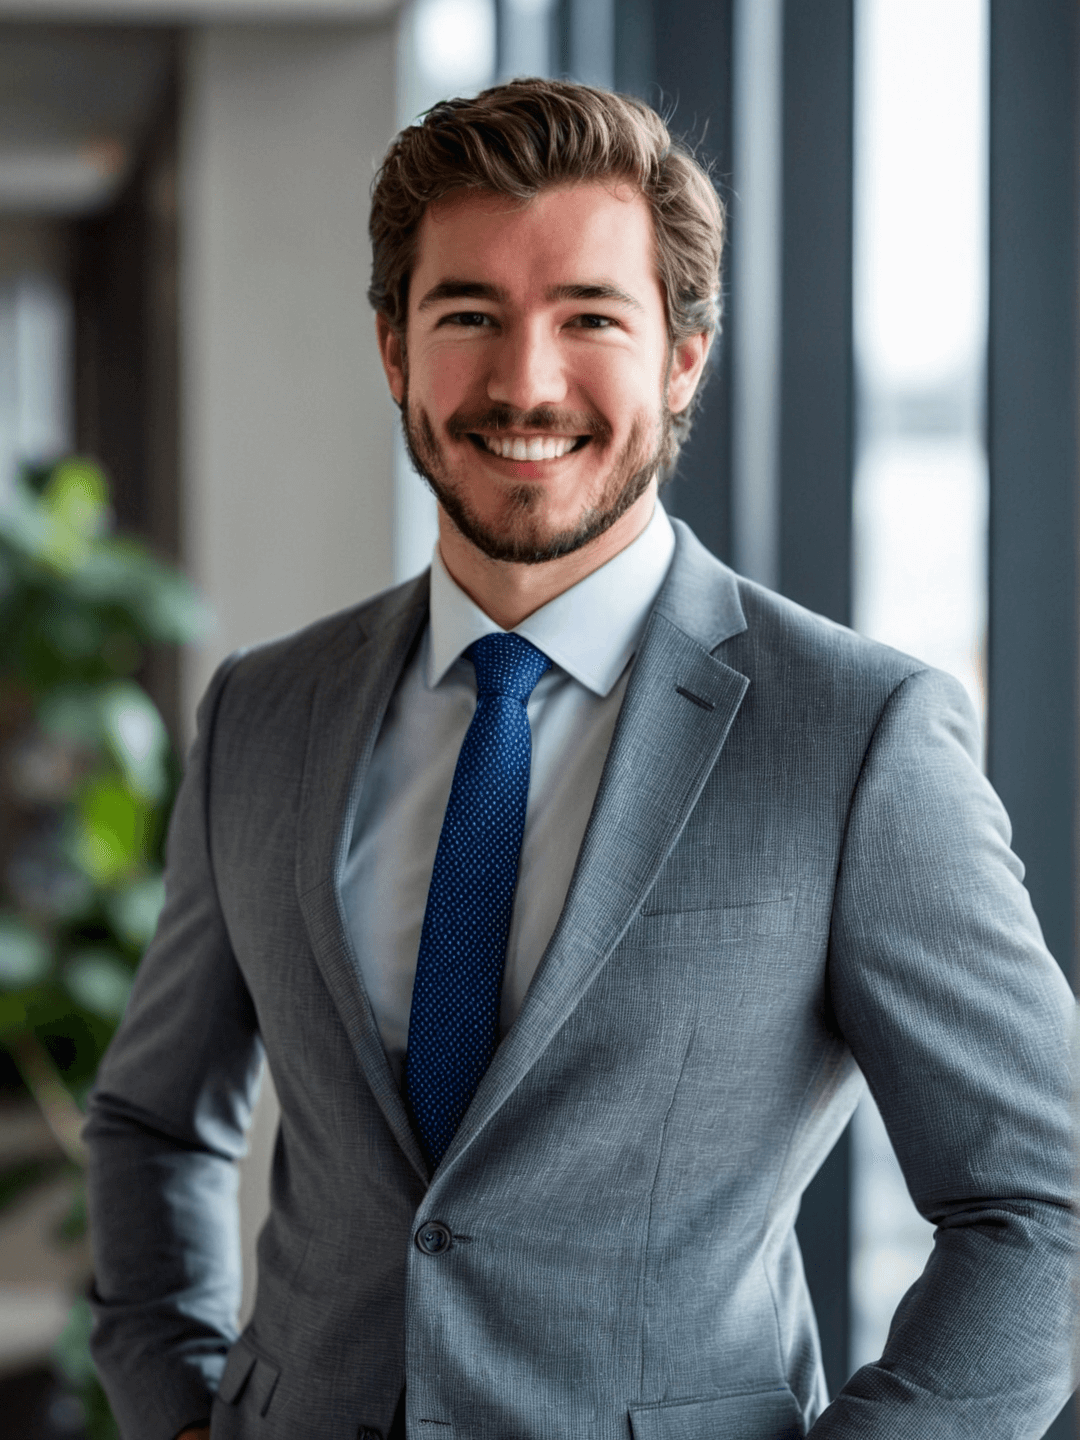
x=719 y=918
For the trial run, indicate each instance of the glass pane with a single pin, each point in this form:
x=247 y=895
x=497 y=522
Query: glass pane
x=36 y=345
x=921 y=479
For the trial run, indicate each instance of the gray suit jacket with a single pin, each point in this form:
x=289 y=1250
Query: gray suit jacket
x=794 y=872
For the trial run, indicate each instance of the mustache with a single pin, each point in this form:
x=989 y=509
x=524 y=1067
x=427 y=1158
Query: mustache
x=544 y=419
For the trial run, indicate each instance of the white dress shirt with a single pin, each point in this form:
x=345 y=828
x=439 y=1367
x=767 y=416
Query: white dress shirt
x=590 y=634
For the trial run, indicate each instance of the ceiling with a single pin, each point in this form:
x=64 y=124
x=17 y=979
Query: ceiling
x=186 y=12
x=75 y=102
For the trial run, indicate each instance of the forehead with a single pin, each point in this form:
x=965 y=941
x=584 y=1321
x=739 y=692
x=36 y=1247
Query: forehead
x=585 y=233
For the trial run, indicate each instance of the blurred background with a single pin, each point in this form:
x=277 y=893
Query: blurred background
x=889 y=436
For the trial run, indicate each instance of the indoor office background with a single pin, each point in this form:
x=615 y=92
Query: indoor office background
x=889 y=434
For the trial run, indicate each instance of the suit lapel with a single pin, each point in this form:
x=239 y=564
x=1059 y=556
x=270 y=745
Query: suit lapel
x=679 y=706
x=350 y=699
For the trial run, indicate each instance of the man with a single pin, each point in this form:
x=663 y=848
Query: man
x=568 y=889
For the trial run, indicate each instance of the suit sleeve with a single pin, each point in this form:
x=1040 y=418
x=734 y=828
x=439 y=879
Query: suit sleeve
x=961 y=1022
x=167 y=1123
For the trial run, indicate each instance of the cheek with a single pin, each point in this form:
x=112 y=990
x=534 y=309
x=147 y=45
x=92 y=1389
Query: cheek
x=621 y=386
x=443 y=377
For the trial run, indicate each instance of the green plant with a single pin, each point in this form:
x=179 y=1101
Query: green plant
x=87 y=777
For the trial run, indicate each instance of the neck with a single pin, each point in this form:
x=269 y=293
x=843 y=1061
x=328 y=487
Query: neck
x=508 y=592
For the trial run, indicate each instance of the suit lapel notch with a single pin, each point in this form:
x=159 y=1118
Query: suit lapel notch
x=679 y=708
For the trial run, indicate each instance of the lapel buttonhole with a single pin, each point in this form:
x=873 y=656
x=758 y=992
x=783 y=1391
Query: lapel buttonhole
x=689 y=695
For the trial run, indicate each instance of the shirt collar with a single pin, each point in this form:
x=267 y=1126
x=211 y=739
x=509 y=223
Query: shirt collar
x=591 y=630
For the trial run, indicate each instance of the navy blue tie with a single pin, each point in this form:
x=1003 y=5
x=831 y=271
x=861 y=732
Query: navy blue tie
x=454 y=1020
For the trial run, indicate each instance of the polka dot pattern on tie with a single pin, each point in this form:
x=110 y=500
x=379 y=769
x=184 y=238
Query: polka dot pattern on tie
x=453 y=1024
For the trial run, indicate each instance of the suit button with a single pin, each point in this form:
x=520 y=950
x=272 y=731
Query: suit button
x=434 y=1237
x=367 y=1433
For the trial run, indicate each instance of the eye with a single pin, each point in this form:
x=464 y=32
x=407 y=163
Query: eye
x=594 y=322
x=468 y=319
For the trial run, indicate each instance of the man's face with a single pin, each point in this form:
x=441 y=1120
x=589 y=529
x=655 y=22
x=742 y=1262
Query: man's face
x=537 y=378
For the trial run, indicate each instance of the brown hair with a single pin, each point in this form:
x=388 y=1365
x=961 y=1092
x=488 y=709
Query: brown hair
x=520 y=138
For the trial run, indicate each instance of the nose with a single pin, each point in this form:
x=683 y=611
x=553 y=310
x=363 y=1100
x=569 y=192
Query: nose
x=527 y=368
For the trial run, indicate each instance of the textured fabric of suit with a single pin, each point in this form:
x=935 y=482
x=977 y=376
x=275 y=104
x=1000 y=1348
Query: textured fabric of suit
x=794 y=872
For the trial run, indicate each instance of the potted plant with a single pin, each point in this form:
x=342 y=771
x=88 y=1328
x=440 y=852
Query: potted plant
x=87 y=777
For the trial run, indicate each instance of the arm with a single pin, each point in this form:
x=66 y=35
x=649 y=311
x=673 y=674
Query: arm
x=167 y=1123
x=960 y=1020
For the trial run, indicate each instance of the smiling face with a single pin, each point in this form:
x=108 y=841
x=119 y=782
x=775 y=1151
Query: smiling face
x=537 y=377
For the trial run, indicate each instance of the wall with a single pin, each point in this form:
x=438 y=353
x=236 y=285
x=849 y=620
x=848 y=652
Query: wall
x=287 y=438
x=287 y=434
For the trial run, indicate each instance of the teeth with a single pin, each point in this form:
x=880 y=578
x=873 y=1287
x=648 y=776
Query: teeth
x=539 y=447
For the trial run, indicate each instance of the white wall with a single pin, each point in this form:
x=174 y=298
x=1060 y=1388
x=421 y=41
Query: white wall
x=288 y=429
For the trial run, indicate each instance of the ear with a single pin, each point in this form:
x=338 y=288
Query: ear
x=392 y=354
x=687 y=362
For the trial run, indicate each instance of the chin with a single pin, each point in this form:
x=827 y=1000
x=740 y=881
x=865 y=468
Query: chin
x=522 y=536
x=527 y=526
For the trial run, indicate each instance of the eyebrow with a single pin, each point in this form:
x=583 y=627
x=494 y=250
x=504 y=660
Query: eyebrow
x=594 y=292
x=463 y=290
x=477 y=290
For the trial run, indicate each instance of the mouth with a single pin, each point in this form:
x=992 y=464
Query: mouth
x=529 y=447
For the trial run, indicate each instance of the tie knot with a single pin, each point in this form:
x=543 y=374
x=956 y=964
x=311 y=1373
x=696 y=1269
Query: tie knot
x=507 y=665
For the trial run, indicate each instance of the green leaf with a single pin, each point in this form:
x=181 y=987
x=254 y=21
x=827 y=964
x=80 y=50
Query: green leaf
x=121 y=652
x=75 y=632
x=137 y=737
x=160 y=600
x=72 y=1350
x=134 y=910
x=72 y=713
x=75 y=1038
x=121 y=717
x=24 y=954
x=100 y=982
x=75 y=1223
x=76 y=500
x=7 y=575
x=111 y=575
x=12 y=1014
x=111 y=834
x=172 y=609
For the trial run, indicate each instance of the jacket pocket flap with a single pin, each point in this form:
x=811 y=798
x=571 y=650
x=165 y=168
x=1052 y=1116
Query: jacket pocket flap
x=244 y=1370
x=238 y=1366
x=759 y=1415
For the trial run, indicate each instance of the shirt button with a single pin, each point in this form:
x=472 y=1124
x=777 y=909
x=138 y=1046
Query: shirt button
x=434 y=1237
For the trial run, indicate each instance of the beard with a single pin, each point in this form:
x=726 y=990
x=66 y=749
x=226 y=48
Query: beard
x=521 y=536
